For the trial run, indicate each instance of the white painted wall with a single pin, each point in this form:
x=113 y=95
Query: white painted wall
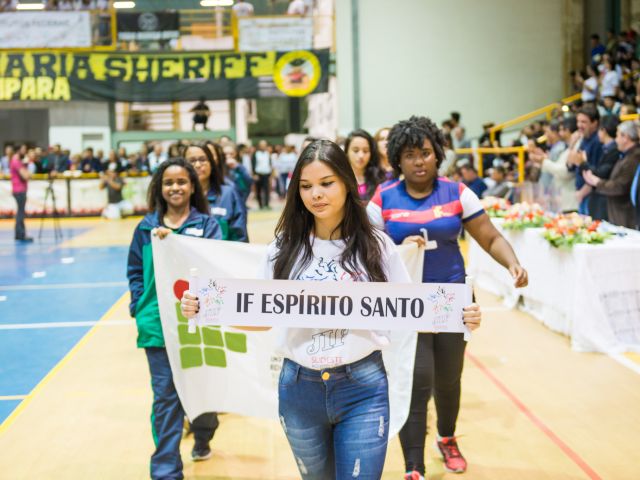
x=77 y=125
x=491 y=60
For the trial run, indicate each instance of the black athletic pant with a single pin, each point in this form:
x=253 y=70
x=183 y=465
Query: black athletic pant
x=263 y=190
x=438 y=367
x=203 y=427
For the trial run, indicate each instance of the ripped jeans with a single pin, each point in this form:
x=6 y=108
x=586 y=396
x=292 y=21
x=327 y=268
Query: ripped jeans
x=336 y=419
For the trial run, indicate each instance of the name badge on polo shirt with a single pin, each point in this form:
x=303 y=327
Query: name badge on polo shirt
x=218 y=211
x=194 y=232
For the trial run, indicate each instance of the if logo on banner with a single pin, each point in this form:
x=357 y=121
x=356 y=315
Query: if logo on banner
x=208 y=345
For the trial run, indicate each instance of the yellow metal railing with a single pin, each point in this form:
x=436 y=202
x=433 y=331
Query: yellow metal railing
x=546 y=110
x=630 y=116
x=480 y=152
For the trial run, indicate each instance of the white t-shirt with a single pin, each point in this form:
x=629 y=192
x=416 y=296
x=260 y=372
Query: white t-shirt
x=263 y=163
x=589 y=94
x=320 y=348
x=610 y=82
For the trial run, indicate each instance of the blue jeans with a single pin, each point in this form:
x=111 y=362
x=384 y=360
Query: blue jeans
x=21 y=200
x=337 y=419
x=583 y=208
x=167 y=418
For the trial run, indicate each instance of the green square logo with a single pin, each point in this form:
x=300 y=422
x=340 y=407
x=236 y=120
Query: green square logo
x=215 y=357
x=190 y=357
x=186 y=338
x=236 y=342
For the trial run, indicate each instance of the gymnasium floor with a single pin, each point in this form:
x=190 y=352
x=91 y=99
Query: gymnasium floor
x=75 y=396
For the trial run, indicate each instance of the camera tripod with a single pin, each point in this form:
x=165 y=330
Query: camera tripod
x=50 y=195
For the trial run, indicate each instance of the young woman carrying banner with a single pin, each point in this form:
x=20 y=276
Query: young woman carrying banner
x=176 y=204
x=431 y=211
x=333 y=401
x=227 y=207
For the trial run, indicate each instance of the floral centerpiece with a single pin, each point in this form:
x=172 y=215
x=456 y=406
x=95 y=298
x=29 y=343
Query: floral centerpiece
x=525 y=215
x=567 y=230
x=496 y=207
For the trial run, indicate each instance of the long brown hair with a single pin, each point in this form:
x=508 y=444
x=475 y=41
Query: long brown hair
x=293 y=232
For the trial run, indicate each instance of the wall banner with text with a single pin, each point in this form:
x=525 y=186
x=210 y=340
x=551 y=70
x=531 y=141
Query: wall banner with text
x=45 y=30
x=160 y=77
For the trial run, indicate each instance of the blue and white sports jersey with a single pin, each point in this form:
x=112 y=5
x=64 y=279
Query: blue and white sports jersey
x=441 y=214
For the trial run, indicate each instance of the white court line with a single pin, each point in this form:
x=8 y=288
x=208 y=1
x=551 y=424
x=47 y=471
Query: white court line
x=32 y=326
x=618 y=357
x=62 y=286
x=12 y=397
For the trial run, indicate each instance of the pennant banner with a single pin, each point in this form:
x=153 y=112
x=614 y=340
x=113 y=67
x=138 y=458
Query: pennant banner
x=224 y=369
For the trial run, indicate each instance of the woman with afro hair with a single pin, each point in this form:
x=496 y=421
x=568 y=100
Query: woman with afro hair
x=431 y=211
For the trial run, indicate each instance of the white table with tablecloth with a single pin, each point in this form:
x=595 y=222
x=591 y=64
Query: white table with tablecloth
x=590 y=293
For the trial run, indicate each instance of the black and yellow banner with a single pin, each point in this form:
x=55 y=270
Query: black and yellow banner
x=161 y=77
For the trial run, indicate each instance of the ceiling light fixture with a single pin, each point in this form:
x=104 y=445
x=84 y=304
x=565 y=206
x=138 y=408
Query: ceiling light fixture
x=121 y=5
x=30 y=6
x=216 y=3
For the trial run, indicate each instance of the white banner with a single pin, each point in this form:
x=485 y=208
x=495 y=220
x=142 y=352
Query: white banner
x=280 y=34
x=227 y=370
x=426 y=307
x=45 y=30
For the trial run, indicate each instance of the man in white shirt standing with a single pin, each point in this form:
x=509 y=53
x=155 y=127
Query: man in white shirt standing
x=262 y=171
x=156 y=157
x=242 y=9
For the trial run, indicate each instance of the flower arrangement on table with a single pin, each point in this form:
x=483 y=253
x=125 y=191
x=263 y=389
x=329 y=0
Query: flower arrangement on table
x=525 y=215
x=567 y=230
x=496 y=207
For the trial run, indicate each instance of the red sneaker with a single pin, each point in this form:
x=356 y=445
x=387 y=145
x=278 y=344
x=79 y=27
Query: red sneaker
x=453 y=460
x=413 y=476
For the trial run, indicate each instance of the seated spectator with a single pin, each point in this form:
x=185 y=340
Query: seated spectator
x=117 y=206
x=610 y=106
x=501 y=188
x=114 y=163
x=89 y=162
x=470 y=179
x=628 y=109
x=75 y=164
x=6 y=159
x=156 y=157
x=58 y=159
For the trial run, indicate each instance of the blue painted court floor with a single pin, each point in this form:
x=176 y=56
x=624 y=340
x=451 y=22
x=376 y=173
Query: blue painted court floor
x=44 y=290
